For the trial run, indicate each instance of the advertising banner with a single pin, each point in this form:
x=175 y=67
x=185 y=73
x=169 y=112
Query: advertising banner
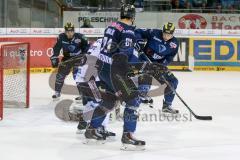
x=156 y=19
x=209 y=53
x=181 y=60
x=208 y=21
x=97 y=19
x=189 y=20
x=215 y=53
x=40 y=49
x=3 y=31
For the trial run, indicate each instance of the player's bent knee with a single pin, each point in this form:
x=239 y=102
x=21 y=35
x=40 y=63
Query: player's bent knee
x=175 y=83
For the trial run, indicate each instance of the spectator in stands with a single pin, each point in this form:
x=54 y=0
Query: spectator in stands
x=227 y=4
x=86 y=23
x=212 y=3
x=237 y=6
x=199 y=3
x=232 y=8
x=218 y=8
x=175 y=4
x=182 y=3
x=188 y=5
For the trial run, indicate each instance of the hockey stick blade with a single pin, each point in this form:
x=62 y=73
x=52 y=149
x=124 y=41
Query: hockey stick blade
x=206 y=118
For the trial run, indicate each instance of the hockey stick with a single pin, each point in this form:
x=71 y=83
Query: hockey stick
x=185 y=104
x=180 y=98
x=80 y=59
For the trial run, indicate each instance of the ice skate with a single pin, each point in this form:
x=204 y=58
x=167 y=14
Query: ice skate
x=94 y=136
x=82 y=125
x=56 y=96
x=108 y=134
x=167 y=110
x=147 y=100
x=129 y=143
x=65 y=112
x=78 y=99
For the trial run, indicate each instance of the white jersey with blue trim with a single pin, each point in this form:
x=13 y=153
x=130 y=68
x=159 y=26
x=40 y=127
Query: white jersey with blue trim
x=94 y=50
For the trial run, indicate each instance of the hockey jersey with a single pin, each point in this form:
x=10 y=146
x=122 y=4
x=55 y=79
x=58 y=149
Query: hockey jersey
x=156 y=48
x=81 y=72
x=118 y=38
x=71 y=47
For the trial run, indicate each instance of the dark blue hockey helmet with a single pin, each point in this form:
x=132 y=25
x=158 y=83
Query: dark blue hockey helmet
x=128 y=11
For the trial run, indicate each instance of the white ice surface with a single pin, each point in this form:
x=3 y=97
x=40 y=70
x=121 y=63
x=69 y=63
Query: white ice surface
x=36 y=134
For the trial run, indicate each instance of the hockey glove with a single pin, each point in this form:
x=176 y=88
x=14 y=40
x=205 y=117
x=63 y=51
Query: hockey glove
x=54 y=61
x=168 y=75
x=155 y=69
x=139 y=45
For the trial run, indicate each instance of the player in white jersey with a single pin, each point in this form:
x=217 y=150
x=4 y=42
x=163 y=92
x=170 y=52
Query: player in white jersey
x=84 y=74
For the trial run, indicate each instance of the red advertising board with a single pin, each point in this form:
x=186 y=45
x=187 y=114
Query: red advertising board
x=40 y=49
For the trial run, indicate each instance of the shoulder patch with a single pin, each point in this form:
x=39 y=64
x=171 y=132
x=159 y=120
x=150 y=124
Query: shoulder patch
x=173 y=45
x=77 y=40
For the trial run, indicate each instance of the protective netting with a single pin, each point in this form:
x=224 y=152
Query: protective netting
x=15 y=78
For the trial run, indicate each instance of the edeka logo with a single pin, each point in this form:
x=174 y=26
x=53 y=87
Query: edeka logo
x=192 y=21
x=215 y=51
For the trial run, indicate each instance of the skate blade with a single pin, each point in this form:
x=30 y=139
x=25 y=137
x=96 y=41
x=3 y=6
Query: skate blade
x=79 y=131
x=165 y=114
x=150 y=105
x=130 y=147
x=93 y=142
x=75 y=109
x=111 y=139
x=56 y=99
x=78 y=101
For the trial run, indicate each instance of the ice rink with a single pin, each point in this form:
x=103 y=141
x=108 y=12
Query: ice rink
x=36 y=134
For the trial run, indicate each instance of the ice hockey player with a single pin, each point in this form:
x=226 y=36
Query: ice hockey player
x=73 y=44
x=81 y=76
x=117 y=48
x=161 y=47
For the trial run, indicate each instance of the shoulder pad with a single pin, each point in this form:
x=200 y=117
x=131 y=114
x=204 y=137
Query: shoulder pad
x=117 y=26
x=128 y=31
x=60 y=36
x=174 y=43
x=81 y=36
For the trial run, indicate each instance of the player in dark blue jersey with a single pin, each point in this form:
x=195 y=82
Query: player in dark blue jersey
x=116 y=51
x=73 y=44
x=161 y=47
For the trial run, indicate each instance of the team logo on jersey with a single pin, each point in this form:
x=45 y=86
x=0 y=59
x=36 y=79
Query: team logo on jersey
x=71 y=48
x=156 y=56
x=173 y=45
x=77 y=40
x=161 y=48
